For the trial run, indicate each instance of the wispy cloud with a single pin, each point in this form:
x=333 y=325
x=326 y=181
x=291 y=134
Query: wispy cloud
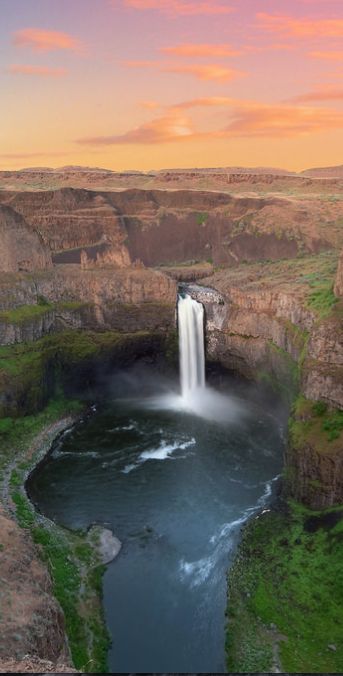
x=181 y=7
x=216 y=72
x=280 y=121
x=192 y=49
x=39 y=40
x=40 y=71
x=172 y=127
x=327 y=56
x=208 y=101
x=245 y=119
x=301 y=27
x=325 y=94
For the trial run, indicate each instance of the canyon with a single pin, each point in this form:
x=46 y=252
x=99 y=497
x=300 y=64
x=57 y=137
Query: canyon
x=90 y=262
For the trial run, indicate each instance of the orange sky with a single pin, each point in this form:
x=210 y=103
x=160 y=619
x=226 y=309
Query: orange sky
x=147 y=84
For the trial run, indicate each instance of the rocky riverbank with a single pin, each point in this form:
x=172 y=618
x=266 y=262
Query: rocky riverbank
x=51 y=604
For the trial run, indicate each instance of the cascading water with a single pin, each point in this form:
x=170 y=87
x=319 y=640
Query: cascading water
x=191 y=346
x=196 y=397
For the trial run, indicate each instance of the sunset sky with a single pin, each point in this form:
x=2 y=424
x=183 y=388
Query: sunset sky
x=150 y=84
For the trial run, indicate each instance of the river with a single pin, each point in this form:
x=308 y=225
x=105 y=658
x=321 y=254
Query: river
x=175 y=487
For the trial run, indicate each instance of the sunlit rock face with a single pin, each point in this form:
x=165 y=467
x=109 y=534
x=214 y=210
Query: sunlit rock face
x=21 y=247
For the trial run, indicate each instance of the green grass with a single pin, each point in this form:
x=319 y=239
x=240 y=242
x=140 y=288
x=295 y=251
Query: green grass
x=314 y=423
x=16 y=434
x=289 y=577
x=77 y=585
x=322 y=300
x=25 y=313
x=30 y=372
x=72 y=562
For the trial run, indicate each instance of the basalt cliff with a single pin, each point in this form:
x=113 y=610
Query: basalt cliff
x=88 y=284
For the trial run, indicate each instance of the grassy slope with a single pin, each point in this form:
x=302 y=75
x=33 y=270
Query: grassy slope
x=73 y=563
x=286 y=595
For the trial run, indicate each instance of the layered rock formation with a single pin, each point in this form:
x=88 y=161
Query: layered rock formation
x=21 y=247
x=265 y=323
x=169 y=227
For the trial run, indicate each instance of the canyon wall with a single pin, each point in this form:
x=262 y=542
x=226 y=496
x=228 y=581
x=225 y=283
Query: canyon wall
x=168 y=227
x=21 y=247
x=260 y=322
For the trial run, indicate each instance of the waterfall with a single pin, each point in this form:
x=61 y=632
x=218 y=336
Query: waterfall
x=191 y=346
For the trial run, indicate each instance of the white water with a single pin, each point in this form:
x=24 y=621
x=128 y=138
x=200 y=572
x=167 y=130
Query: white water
x=191 y=345
x=195 y=398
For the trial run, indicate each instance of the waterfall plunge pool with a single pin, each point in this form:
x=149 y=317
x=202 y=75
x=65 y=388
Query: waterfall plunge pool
x=175 y=483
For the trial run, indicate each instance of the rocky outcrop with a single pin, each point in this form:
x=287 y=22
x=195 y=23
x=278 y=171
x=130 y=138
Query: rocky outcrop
x=167 y=227
x=69 y=220
x=21 y=247
x=68 y=298
x=314 y=478
x=338 y=289
x=31 y=620
x=260 y=322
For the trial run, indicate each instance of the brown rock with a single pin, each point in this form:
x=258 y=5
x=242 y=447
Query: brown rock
x=21 y=247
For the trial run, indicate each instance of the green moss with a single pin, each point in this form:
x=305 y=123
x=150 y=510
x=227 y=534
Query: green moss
x=323 y=299
x=77 y=585
x=30 y=373
x=172 y=348
x=16 y=434
x=25 y=313
x=24 y=512
x=63 y=552
x=282 y=373
x=286 y=590
x=313 y=423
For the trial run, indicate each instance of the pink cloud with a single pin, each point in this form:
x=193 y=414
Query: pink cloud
x=216 y=72
x=207 y=72
x=46 y=41
x=40 y=71
x=301 y=28
x=191 y=49
x=246 y=119
x=281 y=121
x=181 y=7
x=320 y=95
x=172 y=127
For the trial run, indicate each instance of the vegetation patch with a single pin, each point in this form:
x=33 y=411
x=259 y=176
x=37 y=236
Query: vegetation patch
x=73 y=562
x=286 y=594
x=322 y=299
x=16 y=434
x=202 y=218
x=25 y=313
x=315 y=424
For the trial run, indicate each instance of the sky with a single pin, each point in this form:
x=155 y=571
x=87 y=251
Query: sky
x=151 y=84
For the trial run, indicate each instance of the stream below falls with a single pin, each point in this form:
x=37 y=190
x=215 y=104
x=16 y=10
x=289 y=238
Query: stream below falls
x=175 y=487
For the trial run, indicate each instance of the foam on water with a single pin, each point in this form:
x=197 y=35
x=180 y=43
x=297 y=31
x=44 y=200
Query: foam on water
x=162 y=452
x=197 y=572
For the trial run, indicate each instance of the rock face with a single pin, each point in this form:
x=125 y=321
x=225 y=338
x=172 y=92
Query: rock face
x=259 y=323
x=164 y=227
x=31 y=620
x=315 y=478
x=125 y=300
x=21 y=247
x=339 y=277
